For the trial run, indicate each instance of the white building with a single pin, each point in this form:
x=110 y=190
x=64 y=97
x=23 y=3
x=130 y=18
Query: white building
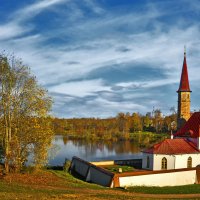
x=181 y=152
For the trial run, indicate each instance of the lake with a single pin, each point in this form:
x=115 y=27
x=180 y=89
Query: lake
x=64 y=148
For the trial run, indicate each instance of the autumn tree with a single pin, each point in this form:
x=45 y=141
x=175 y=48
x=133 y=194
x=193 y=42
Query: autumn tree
x=147 y=122
x=170 y=122
x=25 y=126
x=157 y=120
x=136 y=122
x=122 y=123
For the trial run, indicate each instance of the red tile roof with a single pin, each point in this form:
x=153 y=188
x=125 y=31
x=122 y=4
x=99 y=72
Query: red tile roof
x=191 y=127
x=184 y=82
x=173 y=146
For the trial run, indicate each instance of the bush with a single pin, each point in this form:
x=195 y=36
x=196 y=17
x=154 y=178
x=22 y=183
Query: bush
x=66 y=165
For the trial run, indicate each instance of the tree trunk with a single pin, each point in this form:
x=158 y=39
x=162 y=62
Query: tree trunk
x=7 y=149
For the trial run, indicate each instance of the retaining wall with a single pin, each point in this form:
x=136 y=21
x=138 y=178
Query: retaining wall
x=90 y=172
x=96 y=174
x=157 y=178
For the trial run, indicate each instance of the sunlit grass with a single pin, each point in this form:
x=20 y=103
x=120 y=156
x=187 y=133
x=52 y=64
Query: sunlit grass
x=61 y=185
x=117 y=168
x=74 y=182
x=186 y=189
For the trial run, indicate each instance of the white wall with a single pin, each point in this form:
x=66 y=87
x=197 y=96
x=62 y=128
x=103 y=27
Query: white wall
x=181 y=160
x=144 y=161
x=173 y=161
x=157 y=159
x=162 y=179
x=198 y=142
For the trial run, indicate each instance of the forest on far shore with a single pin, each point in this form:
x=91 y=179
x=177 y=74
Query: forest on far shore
x=120 y=127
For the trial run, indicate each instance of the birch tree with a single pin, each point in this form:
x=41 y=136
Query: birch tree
x=25 y=126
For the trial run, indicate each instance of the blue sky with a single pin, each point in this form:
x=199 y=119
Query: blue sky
x=101 y=57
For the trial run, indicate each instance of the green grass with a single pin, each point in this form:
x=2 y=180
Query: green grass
x=18 y=191
x=74 y=182
x=186 y=189
x=115 y=168
x=151 y=135
x=69 y=187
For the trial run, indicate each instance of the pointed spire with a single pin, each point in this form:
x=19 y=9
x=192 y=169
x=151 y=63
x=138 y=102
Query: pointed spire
x=184 y=82
x=184 y=51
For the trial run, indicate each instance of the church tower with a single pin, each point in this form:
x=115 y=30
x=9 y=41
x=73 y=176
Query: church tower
x=183 y=96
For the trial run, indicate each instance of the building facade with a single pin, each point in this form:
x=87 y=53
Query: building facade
x=171 y=154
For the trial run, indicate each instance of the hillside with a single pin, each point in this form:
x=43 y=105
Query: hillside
x=60 y=185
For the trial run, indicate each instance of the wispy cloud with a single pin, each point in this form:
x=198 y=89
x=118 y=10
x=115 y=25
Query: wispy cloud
x=30 y=11
x=147 y=84
x=11 y=30
x=80 y=88
x=16 y=25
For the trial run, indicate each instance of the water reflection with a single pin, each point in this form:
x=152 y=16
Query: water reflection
x=93 y=150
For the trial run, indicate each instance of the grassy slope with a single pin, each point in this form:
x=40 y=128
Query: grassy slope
x=59 y=185
x=186 y=189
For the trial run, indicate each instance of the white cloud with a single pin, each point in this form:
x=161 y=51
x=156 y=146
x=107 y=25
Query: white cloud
x=15 y=27
x=11 y=30
x=164 y=54
x=32 y=10
x=123 y=106
x=147 y=84
x=80 y=88
x=160 y=49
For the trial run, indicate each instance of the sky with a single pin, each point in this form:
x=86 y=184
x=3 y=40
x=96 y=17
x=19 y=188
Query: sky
x=101 y=57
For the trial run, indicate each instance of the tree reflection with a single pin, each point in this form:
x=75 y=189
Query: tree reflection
x=65 y=140
x=102 y=150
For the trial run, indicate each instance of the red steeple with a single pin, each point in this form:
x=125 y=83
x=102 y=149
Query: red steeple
x=184 y=82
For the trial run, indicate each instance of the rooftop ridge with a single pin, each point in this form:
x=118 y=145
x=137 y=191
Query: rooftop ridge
x=175 y=146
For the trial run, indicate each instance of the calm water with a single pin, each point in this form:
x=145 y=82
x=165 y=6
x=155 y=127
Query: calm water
x=92 y=151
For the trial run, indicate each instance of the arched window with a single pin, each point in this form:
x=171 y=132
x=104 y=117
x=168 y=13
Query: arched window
x=148 y=162
x=164 y=163
x=189 y=162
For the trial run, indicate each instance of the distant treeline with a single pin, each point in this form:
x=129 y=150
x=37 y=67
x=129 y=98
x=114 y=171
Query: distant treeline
x=120 y=127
